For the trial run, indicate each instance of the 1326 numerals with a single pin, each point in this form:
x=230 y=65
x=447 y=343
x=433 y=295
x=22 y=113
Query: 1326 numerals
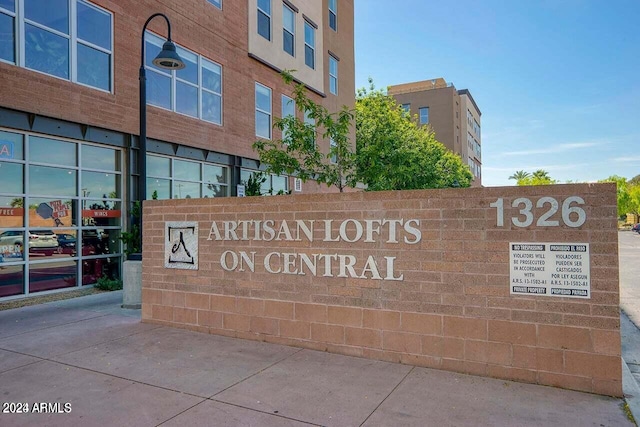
x=573 y=215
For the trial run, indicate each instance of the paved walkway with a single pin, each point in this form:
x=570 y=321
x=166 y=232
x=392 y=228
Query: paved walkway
x=112 y=370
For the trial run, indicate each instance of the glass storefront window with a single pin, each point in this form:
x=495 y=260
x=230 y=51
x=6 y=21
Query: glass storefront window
x=158 y=166
x=106 y=159
x=11 y=146
x=11 y=212
x=100 y=185
x=11 y=280
x=186 y=190
x=61 y=273
x=161 y=187
x=11 y=246
x=186 y=170
x=67 y=240
x=52 y=213
x=101 y=214
x=52 y=151
x=11 y=177
x=50 y=180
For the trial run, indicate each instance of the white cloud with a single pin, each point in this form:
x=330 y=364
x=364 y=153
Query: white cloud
x=630 y=159
x=560 y=148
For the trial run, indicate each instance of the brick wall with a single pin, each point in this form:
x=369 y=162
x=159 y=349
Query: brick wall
x=452 y=310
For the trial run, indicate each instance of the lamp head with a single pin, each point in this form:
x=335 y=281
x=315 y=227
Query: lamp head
x=168 y=58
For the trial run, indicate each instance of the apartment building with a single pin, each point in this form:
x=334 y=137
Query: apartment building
x=70 y=115
x=453 y=115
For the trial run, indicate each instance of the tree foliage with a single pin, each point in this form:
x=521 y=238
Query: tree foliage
x=394 y=153
x=539 y=177
x=628 y=194
x=298 y=153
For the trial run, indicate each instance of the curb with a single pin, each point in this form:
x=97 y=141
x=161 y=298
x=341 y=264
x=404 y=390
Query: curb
x=631 y=391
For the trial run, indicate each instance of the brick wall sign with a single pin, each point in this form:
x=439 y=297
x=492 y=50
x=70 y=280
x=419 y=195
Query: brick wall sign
x=518 y=283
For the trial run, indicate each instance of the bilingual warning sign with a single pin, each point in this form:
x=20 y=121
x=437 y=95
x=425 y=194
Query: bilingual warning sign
x=550 y=269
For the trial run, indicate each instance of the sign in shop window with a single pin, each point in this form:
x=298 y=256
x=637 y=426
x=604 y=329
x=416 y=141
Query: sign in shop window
x=6 y=150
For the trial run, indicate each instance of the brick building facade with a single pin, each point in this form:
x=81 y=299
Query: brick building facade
x=69 y=114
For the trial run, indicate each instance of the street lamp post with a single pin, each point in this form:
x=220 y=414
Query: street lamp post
x=167 y=59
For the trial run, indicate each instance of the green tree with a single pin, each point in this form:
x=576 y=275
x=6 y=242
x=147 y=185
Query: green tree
x=519 y=175
x=393 y=153
x=298 y=153
x=539 y=177
x=622 y=194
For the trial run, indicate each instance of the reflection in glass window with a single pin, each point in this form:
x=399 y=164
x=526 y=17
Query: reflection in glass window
x=46 y=52
x=49 y=180
x=106 y=159
x=94 y=67
x=52 y=212
x=12 y=209
x=49 y=44
x=11 y=280
x=213 y=176
x=52 y=151
x=94 y=25
x=186 y=190
x=56 y=275
x=161 y=187
x=11 y=145
x=11 y=177
x=288 y=30
x=100 y=185
x=158 y=166
x=264 y=18
x=309 y=45
x=11 y=247
x=263 y=111
x=196 y=90
x=101 y=213
x=333 y=75
x=288 y=110
x=7 y=35
x=183 y=169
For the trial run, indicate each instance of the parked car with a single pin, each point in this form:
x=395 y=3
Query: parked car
x=66 y=244
x=40 y=241
x=636 y=228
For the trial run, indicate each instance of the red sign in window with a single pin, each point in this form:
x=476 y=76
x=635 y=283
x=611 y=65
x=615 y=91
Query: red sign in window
x=91 y=213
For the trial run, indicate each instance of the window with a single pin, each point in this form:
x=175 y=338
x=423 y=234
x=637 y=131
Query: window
x=309 y=45
x=72 y=43
x=424 y=115
x=297 y=185
x=406 y=108
x=333 y=147
x=333 y=15
x=263 y=111
x=264 y=18
x=216 y=3
x=273 y=184
x=185 y=179
x=288 y=110
x=311 y=122
x=288 y=30
x=333 y=75
x=195 y=90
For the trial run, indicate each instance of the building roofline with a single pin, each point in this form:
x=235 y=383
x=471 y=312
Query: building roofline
x=466 y=92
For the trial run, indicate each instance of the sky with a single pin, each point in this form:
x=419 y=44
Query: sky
x=557 y=81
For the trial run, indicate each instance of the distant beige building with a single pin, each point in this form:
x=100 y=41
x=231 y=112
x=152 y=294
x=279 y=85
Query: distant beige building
x=453 y=115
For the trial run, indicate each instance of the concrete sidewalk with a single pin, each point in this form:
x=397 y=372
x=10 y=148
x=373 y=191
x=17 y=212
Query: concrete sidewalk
x=113 y=370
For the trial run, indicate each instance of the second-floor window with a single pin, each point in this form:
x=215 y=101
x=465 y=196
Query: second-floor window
x=333 y=75
x=288 y=110
x=424 y=115
x=263 y=111
x=72 y=43
x=264 y=18
x=309 y=45
x=288 y=30
x=195 y=91
x=216 y=3
x=333 y=15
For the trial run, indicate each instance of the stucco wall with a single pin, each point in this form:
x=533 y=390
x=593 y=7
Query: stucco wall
x=435 y=294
